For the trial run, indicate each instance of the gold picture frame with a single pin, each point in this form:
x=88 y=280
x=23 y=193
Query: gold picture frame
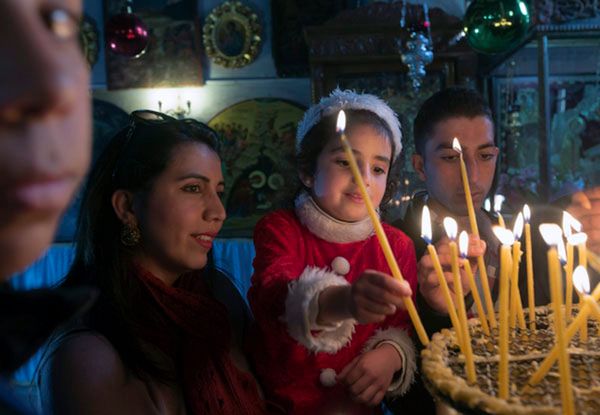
x=232 y=35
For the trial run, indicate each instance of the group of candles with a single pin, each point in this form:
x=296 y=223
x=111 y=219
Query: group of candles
x=511 y=310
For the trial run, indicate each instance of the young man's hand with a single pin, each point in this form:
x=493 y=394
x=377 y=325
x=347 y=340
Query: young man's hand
x=429 y=285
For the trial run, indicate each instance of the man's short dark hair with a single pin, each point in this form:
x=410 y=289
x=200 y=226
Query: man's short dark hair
x=447 y=103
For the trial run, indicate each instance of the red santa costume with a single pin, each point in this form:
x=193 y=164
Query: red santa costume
x=299 y=253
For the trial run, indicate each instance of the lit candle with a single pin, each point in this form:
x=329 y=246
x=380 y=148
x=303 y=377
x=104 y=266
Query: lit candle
x=498 y=200
x=516 y=307
x=506 y=239
x=487 y=294
x=426 y=234
x=568 y=222
x=582 y=285
x=552 y=234
x=463 y=244
x=575 y=325
x=383 y=241
x=487 y=205
x=529 y=264
x=451 y=230
x=580 y=240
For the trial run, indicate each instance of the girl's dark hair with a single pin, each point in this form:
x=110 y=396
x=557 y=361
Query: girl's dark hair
x=318 y=136
x=133 y=159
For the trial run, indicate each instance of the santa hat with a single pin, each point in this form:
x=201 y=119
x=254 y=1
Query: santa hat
x=350 y=100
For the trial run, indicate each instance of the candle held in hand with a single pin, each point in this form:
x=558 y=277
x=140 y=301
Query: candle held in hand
x=383 y=241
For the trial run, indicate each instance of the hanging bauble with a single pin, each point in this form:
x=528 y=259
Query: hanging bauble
x=417 y=54
x=493 y=26
x=126 y=35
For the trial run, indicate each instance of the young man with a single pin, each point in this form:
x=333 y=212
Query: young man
x=461 y=113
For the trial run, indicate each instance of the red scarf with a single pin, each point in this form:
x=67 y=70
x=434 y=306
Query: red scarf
x=198 y=341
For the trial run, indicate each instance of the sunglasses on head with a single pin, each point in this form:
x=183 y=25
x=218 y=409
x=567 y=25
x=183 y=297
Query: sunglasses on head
x=150 y=118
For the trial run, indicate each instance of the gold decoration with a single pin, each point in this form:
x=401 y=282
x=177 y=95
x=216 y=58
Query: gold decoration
x=232 y=35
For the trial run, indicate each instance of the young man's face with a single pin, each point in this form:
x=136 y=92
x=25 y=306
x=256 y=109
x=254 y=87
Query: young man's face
x=439 y=166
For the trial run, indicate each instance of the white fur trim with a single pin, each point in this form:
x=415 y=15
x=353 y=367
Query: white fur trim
x=301 y=293
x=404 y=345
x=327 y=227
x=344 y=100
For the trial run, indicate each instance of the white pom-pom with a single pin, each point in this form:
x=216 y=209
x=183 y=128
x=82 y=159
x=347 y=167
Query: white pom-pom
x=340 y=265
x=327 y=377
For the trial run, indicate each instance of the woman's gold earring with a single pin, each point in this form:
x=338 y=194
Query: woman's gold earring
x=130 y=235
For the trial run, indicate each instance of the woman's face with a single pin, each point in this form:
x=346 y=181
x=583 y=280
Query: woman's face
x=45 y=124
x=182 y=213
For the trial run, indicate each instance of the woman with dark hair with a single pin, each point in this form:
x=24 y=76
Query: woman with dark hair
x=165 y=335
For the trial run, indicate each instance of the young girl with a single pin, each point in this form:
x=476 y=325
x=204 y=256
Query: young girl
x=331 y=338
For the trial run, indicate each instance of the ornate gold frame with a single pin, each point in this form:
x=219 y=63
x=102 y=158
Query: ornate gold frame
x=239 y=16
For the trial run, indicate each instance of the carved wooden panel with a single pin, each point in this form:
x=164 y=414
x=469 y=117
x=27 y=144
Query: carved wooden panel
x=561 y=11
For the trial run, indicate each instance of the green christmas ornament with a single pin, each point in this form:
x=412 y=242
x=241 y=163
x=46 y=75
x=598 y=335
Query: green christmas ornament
x=493 y=26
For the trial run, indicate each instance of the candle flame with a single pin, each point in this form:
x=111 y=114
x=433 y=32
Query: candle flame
x=526 y=213
x=498 y=200
x=581 y=280
x=518 y=226
x=463 y=243
x=575 y=224
x=577 y=239
x=451 y=227
x=487 y=205
x=551 y=233
x=456 y=145
x=426 y=225
x=505 y=236
x=341 y=122
x=568 y=222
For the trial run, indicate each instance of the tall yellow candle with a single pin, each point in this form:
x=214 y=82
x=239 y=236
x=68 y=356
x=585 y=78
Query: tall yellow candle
x=552 y=234
x=593 y=260
x=487 y=294
x=580 y=240
x=463 y=245
x=506 y=239
x=569 y=282
x=383 y=241
x=594 y=308
x=529 y=265
x=569 y=222
x=516 y=307
x=426 y=234
x=582 y=285
x=452 y=229
x=575 y=325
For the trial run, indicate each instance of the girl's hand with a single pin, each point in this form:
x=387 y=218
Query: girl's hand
x=369 y=375
x=375 y=295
